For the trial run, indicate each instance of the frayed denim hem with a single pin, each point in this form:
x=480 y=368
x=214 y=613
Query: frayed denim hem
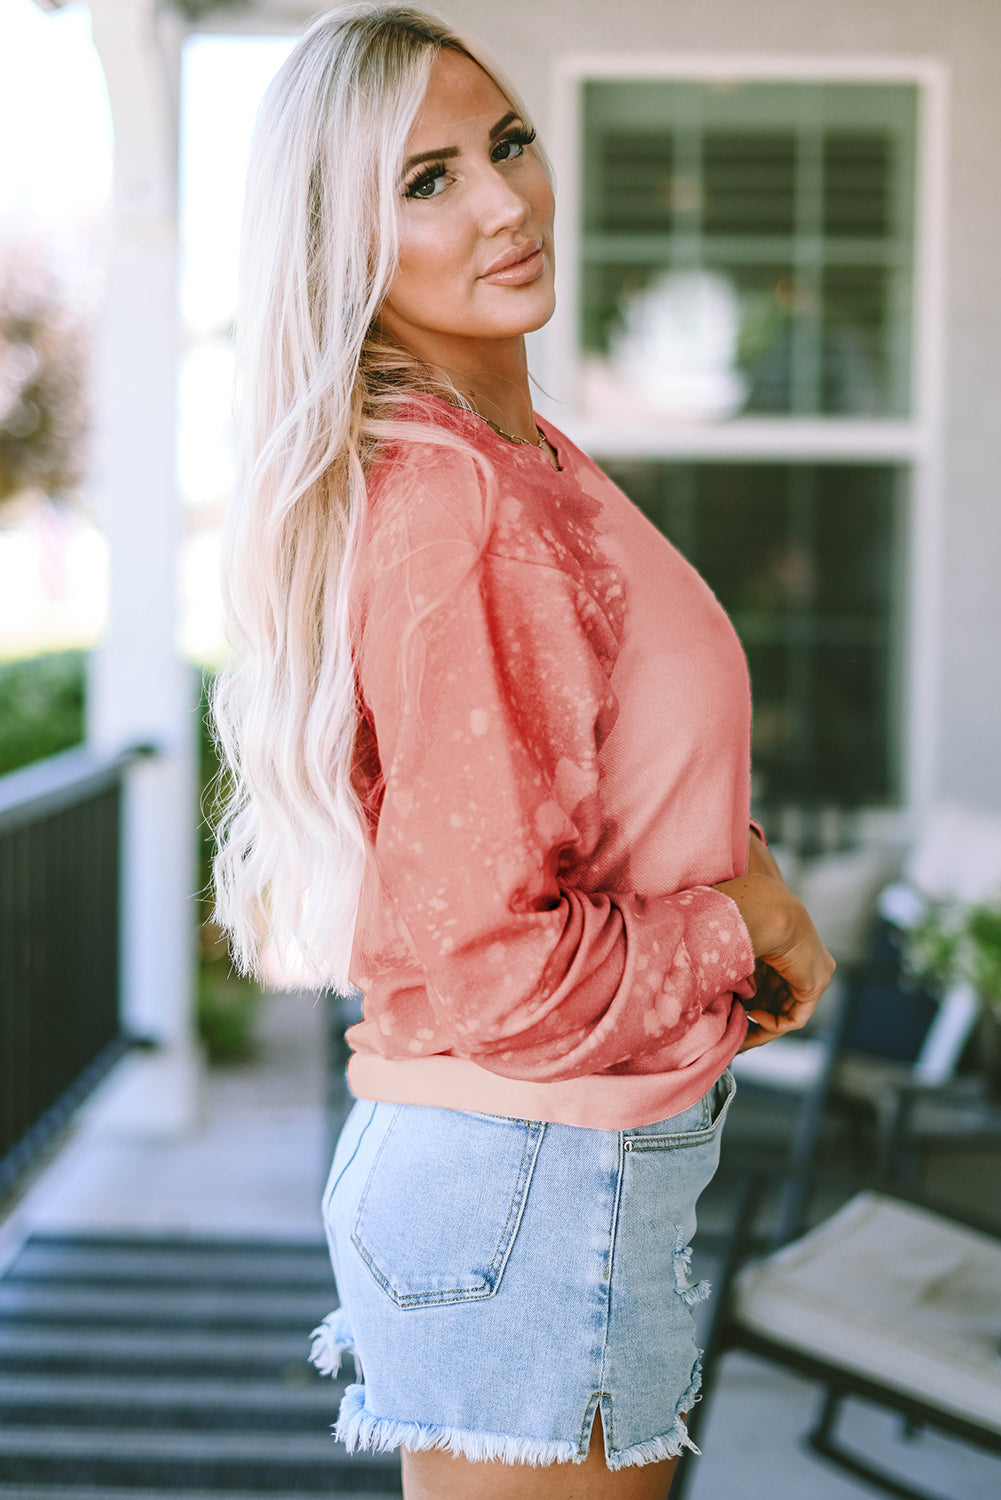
x=671 y=1444
x=332 y=1339
x=654 y=1450
x=357 y=1428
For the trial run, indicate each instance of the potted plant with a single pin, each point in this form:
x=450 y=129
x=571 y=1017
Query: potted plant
x=960 y=943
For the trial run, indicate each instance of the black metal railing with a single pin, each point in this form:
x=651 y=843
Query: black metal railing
x=60 y=829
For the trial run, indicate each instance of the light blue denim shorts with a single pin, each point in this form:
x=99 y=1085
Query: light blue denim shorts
x=501 y=1279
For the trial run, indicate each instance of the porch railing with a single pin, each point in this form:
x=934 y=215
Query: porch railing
x=60 y=832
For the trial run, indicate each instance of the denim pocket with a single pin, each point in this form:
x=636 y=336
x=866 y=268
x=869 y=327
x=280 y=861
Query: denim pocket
x=442 y=1204
x=691 y=1127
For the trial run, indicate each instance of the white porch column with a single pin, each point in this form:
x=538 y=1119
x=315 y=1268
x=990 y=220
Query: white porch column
x=140 y=689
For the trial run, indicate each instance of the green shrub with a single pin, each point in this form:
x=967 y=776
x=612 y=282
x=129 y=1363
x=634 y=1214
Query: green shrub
x=41 y=707
x=227 y=1003
x=226 y=1010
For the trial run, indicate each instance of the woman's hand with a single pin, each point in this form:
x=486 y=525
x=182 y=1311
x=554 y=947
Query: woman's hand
x=793 y=966
x=760 y=860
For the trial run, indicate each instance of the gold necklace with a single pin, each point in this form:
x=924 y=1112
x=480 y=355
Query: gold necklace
x=539 y=442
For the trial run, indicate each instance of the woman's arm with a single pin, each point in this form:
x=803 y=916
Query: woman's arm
x=786 y=944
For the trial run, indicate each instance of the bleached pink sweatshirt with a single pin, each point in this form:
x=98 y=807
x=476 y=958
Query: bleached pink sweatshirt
x=537 y=934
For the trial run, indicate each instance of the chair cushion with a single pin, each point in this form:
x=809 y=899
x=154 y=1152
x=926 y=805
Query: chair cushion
x=790 y=1063
x=839 y=891
x=903 y=1296
x=957 y=856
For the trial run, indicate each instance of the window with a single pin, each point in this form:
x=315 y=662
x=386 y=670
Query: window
x=746 y=248
x=804 y=559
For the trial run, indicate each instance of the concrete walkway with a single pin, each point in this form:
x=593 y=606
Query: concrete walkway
x=255 y=1165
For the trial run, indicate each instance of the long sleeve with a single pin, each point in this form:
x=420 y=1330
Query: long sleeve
x=490 y=816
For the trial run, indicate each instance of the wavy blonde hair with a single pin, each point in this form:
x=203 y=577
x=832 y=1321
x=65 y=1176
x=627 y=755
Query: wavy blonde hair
x=317 y=388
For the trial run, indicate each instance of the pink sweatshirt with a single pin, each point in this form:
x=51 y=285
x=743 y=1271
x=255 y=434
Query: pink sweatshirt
x=537 y=934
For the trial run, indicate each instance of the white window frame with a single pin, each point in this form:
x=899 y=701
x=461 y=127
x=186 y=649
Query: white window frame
x=915 y=442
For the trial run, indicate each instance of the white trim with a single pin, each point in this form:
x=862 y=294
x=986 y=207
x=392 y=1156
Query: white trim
x=915 y=442
x=926 y=531
x=723 y=66
x=752 y=438
x=947 y=1035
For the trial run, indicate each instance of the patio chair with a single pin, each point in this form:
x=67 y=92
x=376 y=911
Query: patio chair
x=886 y=1300
x=881 y=1043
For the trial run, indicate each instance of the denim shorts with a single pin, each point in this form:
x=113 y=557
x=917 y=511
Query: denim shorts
x=502 y=1279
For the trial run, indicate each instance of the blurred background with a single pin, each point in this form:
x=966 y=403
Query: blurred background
x=778 y=325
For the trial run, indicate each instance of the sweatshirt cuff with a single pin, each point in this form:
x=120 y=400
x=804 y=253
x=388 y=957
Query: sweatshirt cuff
x=741 y=958
x=720 y=946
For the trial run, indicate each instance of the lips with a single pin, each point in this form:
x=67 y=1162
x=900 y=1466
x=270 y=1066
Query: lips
x=519 y=264
x=513 y=257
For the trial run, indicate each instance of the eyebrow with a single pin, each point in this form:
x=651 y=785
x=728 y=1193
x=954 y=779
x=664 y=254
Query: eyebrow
x=447 y=152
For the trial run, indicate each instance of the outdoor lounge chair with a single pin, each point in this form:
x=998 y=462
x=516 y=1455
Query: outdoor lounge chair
x=886 y=1300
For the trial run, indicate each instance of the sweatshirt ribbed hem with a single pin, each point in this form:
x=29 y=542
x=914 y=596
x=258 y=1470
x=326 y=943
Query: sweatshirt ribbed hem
x=602 y=1101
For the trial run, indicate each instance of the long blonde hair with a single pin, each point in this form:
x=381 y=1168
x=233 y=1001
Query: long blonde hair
x=317 y=388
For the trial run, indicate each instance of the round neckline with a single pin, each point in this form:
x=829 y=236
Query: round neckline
x=506 y=443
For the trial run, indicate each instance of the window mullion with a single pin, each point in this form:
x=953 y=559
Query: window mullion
x=902 y=215
x=807 y=332
x=688 y=243
x=801 y=620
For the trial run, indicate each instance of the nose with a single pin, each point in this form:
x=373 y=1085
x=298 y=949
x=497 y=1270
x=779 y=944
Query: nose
x=500 y=205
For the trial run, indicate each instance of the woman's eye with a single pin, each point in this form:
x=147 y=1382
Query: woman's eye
x=512 y=146
x=427 y=184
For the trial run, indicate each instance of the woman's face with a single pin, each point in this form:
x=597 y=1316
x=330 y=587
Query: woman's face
x=476 y=222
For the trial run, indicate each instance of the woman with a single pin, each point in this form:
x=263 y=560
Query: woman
x=488 y=736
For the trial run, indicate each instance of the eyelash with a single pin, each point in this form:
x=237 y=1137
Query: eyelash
x=435 y=169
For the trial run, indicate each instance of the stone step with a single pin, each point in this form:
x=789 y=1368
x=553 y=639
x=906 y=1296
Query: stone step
x=166 y=1262
x=241 y=1355
x=308 y=1404
x=183 y=1460
x=161 y=1368
x=179 y=1307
